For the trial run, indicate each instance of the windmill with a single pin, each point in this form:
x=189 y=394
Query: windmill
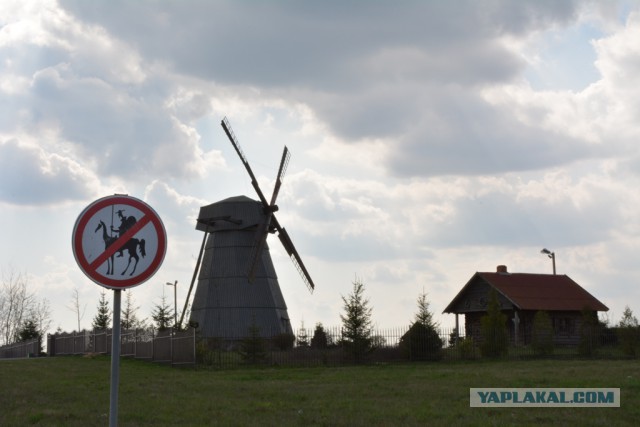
x=237 y=284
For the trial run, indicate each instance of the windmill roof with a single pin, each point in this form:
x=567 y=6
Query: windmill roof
x=238 y=212
x=528 y=291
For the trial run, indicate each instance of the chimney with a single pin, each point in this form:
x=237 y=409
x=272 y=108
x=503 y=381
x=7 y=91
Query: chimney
x=501 y=269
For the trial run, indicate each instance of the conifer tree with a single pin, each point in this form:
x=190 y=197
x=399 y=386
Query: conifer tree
x=495 y=339
x=302 y=339
x=356 y=323
x=129 y=317
x=422 y=341
x=319 y=339
x=162 y=315
x=102 y=318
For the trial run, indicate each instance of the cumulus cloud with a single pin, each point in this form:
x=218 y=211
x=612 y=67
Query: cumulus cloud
x=33 y=176
x=421 y=149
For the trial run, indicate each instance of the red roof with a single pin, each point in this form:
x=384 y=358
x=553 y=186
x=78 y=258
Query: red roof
x=528 y=291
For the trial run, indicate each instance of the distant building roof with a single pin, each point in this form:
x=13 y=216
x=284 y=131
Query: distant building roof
x=528 y=291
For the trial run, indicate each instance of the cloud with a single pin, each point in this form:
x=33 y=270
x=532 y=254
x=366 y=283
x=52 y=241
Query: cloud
x=33 y=176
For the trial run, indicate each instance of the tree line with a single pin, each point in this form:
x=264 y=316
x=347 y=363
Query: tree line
x=23 y=316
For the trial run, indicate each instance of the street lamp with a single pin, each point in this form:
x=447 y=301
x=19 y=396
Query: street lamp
x=175 y=303
x=551 y=255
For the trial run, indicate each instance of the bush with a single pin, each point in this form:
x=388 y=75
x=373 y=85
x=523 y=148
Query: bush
x=629 y=333
x=421 y=343
x=495 y=339
x=466 y=348
x=319 y=339
x=589 y=333
x=253 y=349
x=542 y=338
x=283 y=341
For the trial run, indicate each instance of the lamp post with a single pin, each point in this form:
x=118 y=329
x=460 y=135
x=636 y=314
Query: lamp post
x=551 y=255
x=175 y=303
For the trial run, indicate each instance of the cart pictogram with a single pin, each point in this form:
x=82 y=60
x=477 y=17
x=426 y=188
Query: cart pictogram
x=119 y=241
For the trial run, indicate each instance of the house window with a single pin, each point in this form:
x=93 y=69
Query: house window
x=564 y=325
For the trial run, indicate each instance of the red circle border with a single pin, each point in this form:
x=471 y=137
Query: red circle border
x=81 y=224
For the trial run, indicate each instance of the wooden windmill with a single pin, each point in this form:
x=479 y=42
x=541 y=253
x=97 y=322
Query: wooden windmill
x=237 y=284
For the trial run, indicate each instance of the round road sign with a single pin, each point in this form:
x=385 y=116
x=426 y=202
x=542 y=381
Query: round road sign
x=119 y=241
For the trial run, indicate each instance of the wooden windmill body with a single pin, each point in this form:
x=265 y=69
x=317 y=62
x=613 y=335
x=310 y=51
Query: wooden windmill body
x=238 y=287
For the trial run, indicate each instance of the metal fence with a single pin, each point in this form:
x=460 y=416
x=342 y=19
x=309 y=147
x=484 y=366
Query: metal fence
x=331 y=346
x=29 y=348
x=174 y=347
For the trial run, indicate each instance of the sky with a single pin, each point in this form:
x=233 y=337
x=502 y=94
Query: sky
x=430 y=140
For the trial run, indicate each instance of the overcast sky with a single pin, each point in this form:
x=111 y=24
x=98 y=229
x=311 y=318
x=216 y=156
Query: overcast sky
x=430 y=140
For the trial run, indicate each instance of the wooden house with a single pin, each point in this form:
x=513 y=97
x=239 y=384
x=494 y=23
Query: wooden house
x=521 y=295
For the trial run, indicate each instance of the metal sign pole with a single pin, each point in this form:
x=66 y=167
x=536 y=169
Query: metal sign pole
x=115 y=359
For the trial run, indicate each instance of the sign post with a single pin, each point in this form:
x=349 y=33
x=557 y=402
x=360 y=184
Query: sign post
x=119 y=242
x=115 y=359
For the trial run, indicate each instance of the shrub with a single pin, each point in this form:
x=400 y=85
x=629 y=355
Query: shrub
x=421 y=342
x=589 y=333
x=319 y=339
x=542 y=338
x=495 y=339
x=283 y=341
x=466 y=348
x=629 y=333
x=253 y=349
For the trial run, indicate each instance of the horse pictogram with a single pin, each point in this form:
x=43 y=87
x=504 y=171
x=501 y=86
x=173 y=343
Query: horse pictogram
x=116 y=228
x=131 y=246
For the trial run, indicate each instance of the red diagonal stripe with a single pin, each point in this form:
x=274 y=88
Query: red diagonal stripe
x=122 y=240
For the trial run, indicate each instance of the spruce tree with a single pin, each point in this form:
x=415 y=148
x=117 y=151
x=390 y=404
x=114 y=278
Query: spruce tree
x=102 y=318
x=253 y=348
x=422 y=341
x=319 y=339
x=162 y=315
x=129 y=317
x=302 y=339
x=356 y=324
x=29 y=331
x=495 y=339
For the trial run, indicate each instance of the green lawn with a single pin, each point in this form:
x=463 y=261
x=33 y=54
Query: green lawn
x=74 y=391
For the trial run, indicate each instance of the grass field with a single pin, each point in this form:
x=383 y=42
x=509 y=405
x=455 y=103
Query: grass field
x=74 y=391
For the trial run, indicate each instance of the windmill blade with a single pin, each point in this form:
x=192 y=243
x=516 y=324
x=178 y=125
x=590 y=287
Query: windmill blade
x=293 y=254
x=284 y=162
x=263 y=229
x=232 y=137
x=258 y=246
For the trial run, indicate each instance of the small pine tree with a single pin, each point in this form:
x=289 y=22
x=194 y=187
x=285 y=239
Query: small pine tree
x=319 y=339
x=629 y=333
x=424 y=316
x=129 y=317
x=356 y=324
x=542 y=336
x=495 y=339
x=30 y=331
x=422 y=341
x=162 y=315
x=102 y=318
x=253 y=349
x=302 y=339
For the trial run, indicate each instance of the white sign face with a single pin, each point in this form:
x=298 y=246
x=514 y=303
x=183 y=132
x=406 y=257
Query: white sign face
x=119 y=242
